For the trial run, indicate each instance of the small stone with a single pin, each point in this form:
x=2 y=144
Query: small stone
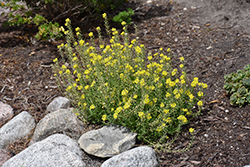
x=58 y=103
x=56 y=150
x=138 y=157
x=193 y=7
x=16 y=129
x=107 y=141
x=6 y=113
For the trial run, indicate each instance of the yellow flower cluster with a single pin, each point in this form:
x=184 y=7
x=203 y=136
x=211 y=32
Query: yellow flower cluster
x=118 y=83
x=182 y=118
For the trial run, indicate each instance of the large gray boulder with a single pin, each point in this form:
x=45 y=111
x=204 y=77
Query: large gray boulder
x=54 y=151
x=58 y=103
x=138 y=157
x=60 y=121
x=107 y=141
x=6 y=113
x=16 y=129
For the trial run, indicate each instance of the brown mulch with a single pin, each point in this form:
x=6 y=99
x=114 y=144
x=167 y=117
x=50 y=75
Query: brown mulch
x=222 y=131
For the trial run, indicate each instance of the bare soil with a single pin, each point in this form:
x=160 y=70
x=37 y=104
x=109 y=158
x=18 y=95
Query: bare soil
x=213 y=37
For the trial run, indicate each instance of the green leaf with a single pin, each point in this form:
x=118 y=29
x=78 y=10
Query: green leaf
x=242 y=91
x=246 y=82
x=233 y=98
x=248 y=98
x=247 y=67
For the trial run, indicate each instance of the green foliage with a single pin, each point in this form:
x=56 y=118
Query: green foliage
x=47 y=15
x=238 y=86
x=46 y=29
x=119 y=83
x=124 y=16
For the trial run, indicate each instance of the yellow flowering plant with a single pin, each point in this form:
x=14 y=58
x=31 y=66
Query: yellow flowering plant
x=118 y=83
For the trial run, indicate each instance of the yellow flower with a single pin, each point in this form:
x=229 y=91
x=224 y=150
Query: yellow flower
x=104 y=15
x=149 y=116
x=177 y=96
x=193 y=84
x=60 y=72
x=127 y=105
x=123 y=23
x=168 y=120
x=150 y=57
x=135 y=96
x=166 y=111
x=182 y=118
x=81 y=42
x=184 y=109
x=204 y=85
x=77 y=29
x=91 y=34
x=67 y=20
x=191 y=130
x=83 y=96
x=191 y=96
x=67 y=71
x=69 y=88
x=98 y=28
x=86 y=72
x=181 y=58
x=162 y=105
x=168 y=94
x=55 y=60
x=164 y=73
x=173 y=105
x=141 y=114
x=142 y=82
x=146 y=100
x=104 y=117
x=159 y=129
x=168 y=50
x=92 y=107
x=200 y=94
x=200 y=103
x=181 y=65
x=172 y=83
x=86 y=87
x=64 y=67
x=174 y=72
x=124 y=92
x=115 y=115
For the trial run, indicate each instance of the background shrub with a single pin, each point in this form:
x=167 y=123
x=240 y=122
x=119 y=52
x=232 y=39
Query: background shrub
x=49 y=15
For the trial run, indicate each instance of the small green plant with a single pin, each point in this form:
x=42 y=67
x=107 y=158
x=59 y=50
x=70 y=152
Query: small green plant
x=238 y=86
x=120 y=83
x=124 y=16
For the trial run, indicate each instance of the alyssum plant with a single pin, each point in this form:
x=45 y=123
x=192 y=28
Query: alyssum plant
x=117 y=83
